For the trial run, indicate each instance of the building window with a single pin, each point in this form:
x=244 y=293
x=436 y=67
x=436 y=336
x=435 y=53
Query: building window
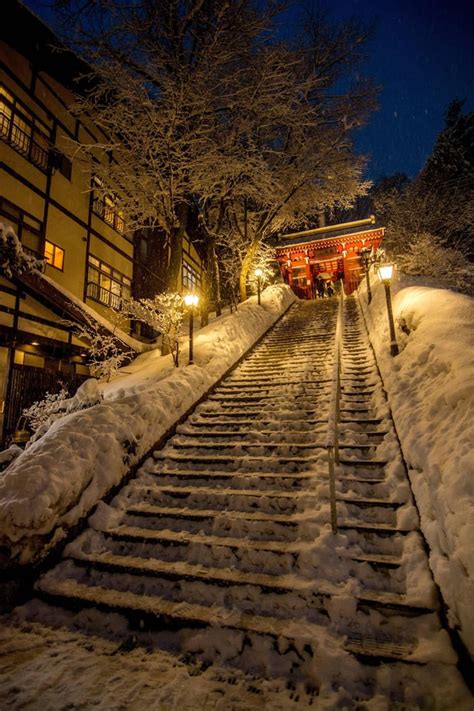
x=54 y=255
x=191 y=280
x=106 y=207
x=105 y=284
x=58 y=161
x=24 y=132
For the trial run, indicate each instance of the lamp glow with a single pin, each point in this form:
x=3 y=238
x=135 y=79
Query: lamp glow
x=258 y=273
x=191 y=300
x=385 y=272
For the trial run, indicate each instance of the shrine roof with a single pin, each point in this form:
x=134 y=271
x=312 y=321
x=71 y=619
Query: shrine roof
x=329 y=235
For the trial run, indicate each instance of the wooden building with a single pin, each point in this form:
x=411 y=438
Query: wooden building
x=53 y=206
x=332 y=253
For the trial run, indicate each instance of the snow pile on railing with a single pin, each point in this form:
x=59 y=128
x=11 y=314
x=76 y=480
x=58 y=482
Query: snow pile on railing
x=431 y=392
x=60 y=478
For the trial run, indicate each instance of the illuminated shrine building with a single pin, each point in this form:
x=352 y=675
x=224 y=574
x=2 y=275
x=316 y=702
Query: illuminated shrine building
x=331 y=253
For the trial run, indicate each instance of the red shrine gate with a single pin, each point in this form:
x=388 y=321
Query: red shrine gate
x=331 y=253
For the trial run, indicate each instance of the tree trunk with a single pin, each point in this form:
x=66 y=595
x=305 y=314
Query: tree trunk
x=176 y=249
x=246 y=266
x=205 y=299
x=217 y=281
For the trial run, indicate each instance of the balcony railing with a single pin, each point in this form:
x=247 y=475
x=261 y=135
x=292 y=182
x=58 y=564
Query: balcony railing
x=108 y=214
x=23 y=141
x=103 y=296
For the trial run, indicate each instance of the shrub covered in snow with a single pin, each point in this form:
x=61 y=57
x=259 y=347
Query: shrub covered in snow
x=43 y=413
x=105 y=354
x=46 y=410
x=428 y=256
x=13 y=259
x=164 y=313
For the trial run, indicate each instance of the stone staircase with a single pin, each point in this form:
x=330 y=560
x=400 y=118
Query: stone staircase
x=227 y=528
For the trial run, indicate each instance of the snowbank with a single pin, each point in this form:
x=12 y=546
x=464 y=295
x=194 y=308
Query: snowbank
x=431 y=391
x=60 y=477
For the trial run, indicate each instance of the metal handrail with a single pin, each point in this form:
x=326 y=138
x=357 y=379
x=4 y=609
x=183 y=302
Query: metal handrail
x=332 y=438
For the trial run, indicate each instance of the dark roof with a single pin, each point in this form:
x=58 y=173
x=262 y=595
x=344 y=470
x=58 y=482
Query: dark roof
x=321 y=236
x=21 y=29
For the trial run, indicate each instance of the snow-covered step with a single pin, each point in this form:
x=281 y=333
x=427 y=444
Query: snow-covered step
x=292 y=519
x=184 y=538
x=249 y=476
x=211 y=418
x=248 y=461
x=215 y=492
x=372 y=527
x=250 y=431
x=160 y=613
x=259 y=384
x=228 y=525
x=368 y=502
x=378 y=559
x=181 y=442
x=182 y=570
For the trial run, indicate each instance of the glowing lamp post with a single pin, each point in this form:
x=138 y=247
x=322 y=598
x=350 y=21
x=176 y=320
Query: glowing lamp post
x=191 y=301
x=385 y=272
x=258 y=274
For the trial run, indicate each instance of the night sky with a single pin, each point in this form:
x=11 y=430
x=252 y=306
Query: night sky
x=422 y=54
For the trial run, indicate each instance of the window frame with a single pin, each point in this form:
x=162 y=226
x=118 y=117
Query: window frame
x=119 y=284
x=23 y=131
x=106 y=206
x=190 y=278
x=56 y=250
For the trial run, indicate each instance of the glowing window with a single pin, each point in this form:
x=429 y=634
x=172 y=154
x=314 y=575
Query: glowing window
x=54 y=255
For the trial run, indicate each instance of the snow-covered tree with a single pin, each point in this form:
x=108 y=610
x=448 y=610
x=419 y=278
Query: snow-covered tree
x=288 y=147
x=13 y=259
x=105 y=356
x=164 y=76
x=439 y=201
x=427 y=255
x=164 y=313
x=204 y=106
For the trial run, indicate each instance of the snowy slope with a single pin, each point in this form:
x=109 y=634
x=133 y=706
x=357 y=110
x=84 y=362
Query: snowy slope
x=62 y=476
x=431 y=393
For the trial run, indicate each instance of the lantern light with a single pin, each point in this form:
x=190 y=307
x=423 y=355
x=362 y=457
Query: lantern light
x=385 y=272
x=191 y=300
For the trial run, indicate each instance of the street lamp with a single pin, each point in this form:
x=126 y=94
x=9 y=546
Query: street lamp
x=191 y=301
x=385 y=272
x=258 y=274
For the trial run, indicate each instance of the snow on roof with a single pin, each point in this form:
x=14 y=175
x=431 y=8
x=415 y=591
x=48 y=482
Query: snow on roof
x=371 y=230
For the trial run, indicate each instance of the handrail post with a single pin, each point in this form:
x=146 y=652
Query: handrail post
x=332 y=489
x=332 y=441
